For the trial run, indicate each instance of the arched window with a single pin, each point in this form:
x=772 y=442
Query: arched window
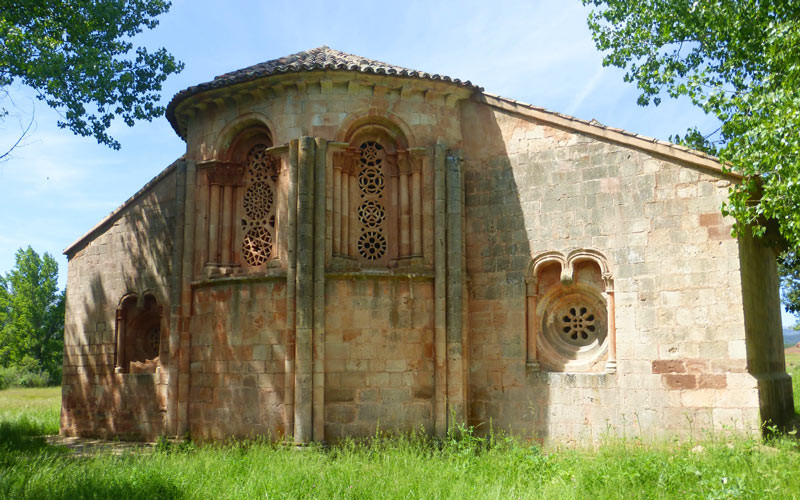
x=377 y=198
x=570 y=313
x=372 y=206
x=240 y=196
x=258 y=206
x=138 y=331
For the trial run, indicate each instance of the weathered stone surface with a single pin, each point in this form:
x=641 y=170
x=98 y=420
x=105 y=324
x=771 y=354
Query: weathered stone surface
x=342 y=251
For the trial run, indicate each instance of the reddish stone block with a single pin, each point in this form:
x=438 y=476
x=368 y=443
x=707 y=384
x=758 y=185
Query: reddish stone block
x=711 y=219
x=675 y=381
x=669 y=366
x=696 y=365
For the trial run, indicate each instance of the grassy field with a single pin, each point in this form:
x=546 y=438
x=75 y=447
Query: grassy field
x=400 y=467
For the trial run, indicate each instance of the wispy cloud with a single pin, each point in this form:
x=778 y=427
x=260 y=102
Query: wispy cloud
x=586 y=91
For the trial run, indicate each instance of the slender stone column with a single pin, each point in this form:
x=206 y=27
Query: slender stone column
x=213 y=224
x=456 y=369
x=345 y=213
x=305 y=292
x=611 y=364
x=201 y=216
x=318 y=340
x=236 y=226
x=416 y=213
x=337 y=208
x=291 y=288
x=185 y=311
x=405 y=217
x=531 y=320
x=440 y=290
x=352 y=210
x=227 y=229
x=119 y=361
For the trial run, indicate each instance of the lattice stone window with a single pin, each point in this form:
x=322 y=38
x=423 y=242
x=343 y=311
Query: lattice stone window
x=259 y=200
x=569 y=312
x=372 y=242
x=575 y=323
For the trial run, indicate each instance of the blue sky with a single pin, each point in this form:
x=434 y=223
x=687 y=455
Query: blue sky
x=57 y=186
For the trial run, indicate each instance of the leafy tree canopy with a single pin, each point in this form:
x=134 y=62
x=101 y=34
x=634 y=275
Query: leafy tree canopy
x=78 y=56
x=738 y=60
x=32 y=313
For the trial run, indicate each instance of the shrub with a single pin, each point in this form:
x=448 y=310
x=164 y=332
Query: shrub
x=26 y=374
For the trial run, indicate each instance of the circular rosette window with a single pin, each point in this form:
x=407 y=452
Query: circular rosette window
x=574 y=329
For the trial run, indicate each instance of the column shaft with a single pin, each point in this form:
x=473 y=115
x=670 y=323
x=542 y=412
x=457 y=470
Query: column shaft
x=405 y=217
x=440 y=291
x=305 y=292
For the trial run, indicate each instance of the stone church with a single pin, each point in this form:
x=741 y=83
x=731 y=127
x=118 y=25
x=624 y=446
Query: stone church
x=348 y=245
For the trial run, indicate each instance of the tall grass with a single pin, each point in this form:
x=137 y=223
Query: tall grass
x=463 y=466
x=414 y=467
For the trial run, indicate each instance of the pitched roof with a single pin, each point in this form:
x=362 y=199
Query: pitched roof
x=321 y=58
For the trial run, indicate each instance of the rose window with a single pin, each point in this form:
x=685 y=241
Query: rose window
x=578 y=326
x=372 y=245
x=371 y=153
x=261 y=164
x=574 y=327
x=371 y=214
x=370 y=180
x=257 y=246
x=258 y=200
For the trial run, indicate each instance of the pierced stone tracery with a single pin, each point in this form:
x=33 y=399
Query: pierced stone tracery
x=371 y=212
x=258 y=225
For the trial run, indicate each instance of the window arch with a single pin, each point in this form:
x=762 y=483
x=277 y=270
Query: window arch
x=377 y=215
x=138 y=334
x=241 y=195
x=258 y=241
x=570 y=311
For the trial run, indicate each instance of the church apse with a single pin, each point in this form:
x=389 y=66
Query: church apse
x=349 y=246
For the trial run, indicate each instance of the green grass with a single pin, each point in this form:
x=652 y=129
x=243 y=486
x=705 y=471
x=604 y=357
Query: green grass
x=399 y=467
x=793 y=368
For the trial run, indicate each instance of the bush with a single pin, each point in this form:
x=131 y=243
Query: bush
x=26 y=374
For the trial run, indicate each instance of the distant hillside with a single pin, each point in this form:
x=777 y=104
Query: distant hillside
x=790 y=337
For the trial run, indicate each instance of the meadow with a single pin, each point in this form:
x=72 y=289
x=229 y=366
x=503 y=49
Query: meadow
x=462 y=466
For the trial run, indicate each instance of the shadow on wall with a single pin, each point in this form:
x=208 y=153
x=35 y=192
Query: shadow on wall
x=133 y=255
x=497 y=255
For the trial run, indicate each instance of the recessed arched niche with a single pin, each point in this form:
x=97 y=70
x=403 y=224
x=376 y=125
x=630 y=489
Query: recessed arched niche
x=138 y=334
x=570 y=311
x=377 y=196
x=239 y=202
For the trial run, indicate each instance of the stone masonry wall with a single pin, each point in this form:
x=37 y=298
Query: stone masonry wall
x=681 y=351
x=378 y=356
x=132 y=253
x=238 y=352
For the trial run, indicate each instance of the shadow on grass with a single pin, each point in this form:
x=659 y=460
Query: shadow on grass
x=24 y=435
x=120 y=488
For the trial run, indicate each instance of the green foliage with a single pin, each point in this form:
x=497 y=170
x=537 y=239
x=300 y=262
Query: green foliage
x=737 y=60
x=79 y=58
x=789 y=270
x=27 y=373
x=32 y=316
